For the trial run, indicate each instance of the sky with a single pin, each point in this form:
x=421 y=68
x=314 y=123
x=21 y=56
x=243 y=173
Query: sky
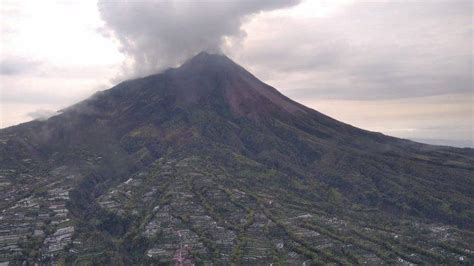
x=403 y=68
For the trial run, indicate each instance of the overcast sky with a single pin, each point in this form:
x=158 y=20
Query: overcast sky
x=403 y=68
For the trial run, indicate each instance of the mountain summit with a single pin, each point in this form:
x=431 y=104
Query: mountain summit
x=211 y=79
x=206 y=74
x=205 y=163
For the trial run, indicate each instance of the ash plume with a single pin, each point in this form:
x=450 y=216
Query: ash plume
x=159 y=34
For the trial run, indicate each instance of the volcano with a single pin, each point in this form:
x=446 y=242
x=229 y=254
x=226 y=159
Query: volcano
x=206 y=164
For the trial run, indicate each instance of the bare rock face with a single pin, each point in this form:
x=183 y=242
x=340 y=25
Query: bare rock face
x=207 y=164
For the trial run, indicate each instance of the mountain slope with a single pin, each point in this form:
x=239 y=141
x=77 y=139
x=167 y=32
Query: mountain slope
x=205 y=163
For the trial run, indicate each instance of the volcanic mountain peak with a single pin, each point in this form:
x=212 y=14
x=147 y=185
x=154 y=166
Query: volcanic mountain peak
x=208 y=60
x=206 y=79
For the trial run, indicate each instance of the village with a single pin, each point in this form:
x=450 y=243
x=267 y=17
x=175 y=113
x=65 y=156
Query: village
x=189 y=217
x=34 y=220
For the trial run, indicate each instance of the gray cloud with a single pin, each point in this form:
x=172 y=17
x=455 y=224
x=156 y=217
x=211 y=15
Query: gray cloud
x=28 y=96
x=158 y=34
x=369 y=50
x=17 y=66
